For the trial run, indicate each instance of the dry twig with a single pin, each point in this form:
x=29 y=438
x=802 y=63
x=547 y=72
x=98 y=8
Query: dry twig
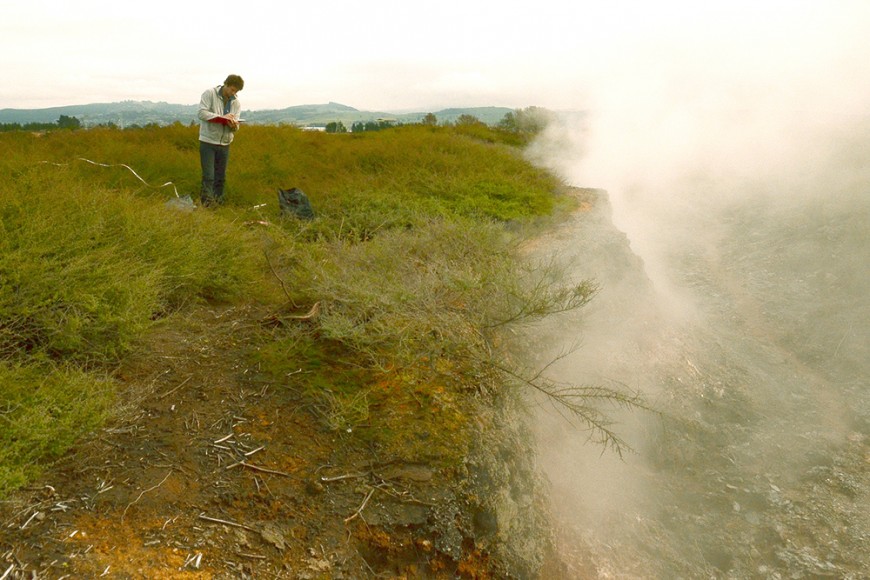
x=283 y=285
x=327 y=479
x=144 y=491
x=166 y=394
x=222 y=439
x=226 y=522
x=315 y=310
x=362 y=507
x=30 y=519
x=260 y=469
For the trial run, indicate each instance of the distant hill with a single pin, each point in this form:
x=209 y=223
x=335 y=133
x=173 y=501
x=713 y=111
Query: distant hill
x=122 y=114
x=127 y=113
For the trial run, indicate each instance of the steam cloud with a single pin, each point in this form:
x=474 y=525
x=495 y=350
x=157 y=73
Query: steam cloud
x=734 y=149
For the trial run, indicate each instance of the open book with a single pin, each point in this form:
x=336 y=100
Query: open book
x=224 y=120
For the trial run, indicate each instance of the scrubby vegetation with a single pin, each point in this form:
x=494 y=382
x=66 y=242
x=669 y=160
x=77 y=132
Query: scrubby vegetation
x=411 y=262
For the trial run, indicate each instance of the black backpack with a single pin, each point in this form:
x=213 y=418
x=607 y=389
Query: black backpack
x=294 y=202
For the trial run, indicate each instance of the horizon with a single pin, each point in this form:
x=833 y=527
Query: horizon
x=330 y=102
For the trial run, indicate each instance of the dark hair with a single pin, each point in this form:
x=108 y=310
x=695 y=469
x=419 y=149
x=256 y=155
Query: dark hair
x=235 y=81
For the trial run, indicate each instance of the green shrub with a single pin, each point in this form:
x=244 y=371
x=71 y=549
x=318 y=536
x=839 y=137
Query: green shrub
x=84 y=271
x=409 y=258
x=43 y=410
x=408 y=316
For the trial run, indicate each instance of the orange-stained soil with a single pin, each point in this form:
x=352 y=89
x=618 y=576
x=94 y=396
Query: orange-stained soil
x=210 y=471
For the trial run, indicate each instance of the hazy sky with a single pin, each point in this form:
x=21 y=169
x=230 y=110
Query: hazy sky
x=423 y=55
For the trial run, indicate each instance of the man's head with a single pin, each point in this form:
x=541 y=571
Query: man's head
x=235 y=81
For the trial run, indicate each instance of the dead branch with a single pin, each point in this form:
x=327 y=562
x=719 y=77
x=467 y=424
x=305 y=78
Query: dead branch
x=7 y=572
x=315 y=310
x=144 y=491
x=341 y=477
x=362 y=507
x=184 y=382
x=226 y=522
x=283 y=286
x=193 y=560
x=30 y=519
x=260 y=469
x=222 y=439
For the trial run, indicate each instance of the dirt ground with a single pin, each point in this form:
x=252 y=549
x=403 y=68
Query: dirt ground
x=209 y=471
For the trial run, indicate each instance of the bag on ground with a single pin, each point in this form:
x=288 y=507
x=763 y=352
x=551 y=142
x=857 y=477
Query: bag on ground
x=295 y=203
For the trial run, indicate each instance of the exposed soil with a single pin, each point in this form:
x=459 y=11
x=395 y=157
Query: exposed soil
x=210 y=471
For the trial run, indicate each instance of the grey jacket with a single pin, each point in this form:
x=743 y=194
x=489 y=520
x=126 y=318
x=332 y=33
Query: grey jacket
x=211 y=105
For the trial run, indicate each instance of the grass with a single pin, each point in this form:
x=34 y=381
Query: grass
x=83 y=271
x=412 y=258
x=43 y=410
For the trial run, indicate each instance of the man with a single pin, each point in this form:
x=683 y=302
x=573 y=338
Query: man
x=219 y=112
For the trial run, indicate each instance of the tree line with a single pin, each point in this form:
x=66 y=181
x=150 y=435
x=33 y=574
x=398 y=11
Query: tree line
x=530 y=121
x=63 y=122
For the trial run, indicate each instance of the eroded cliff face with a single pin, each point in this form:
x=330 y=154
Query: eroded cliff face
x=518 y=516
x=506 y=495
x=739 y=327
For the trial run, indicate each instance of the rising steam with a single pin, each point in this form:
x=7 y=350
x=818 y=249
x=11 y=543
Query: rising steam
x=733 y=146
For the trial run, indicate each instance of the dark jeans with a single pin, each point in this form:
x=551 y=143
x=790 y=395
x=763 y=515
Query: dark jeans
x=214 y=160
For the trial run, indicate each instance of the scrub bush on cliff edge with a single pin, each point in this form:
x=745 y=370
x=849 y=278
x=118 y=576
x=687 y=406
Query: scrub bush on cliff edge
x=412 y=258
